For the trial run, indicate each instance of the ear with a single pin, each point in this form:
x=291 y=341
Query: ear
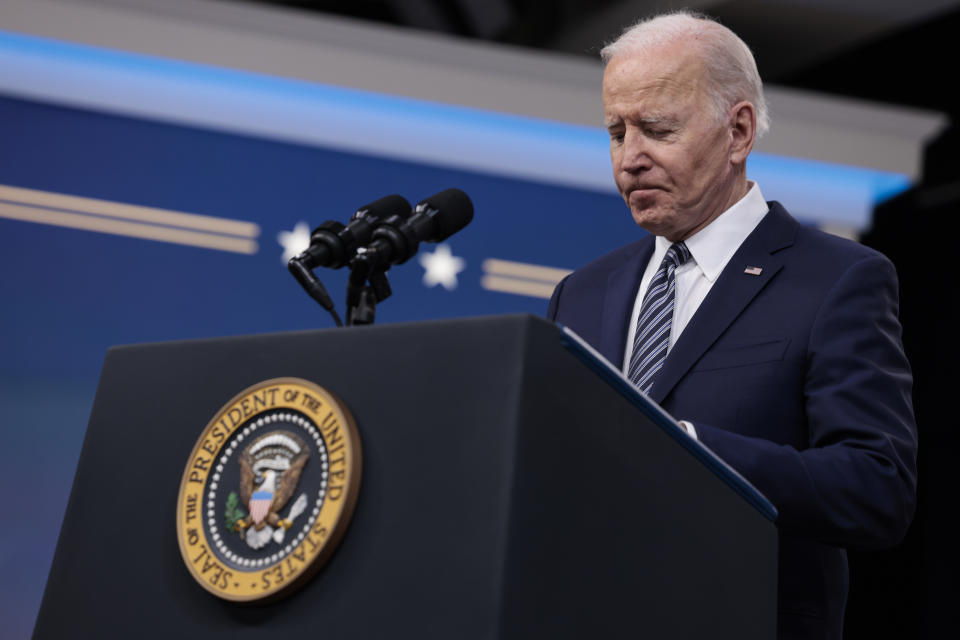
x=743 y=131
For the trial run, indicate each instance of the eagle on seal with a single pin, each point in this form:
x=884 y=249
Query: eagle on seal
x=270 y=469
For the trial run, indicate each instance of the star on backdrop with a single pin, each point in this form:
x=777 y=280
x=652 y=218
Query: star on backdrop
x=441 y=267
x=294 y=242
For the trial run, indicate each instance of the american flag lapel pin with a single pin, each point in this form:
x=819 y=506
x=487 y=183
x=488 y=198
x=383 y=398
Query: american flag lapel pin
x=753 y=271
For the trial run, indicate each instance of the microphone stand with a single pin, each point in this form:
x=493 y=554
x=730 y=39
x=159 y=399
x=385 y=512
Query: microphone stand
x=366 y=286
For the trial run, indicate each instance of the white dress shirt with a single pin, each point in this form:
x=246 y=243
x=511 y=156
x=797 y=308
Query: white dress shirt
x=711 y=249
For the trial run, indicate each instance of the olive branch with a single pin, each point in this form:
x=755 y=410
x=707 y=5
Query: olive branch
x=232 y=512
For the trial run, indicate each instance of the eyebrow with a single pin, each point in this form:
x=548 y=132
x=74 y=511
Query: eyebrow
x=657 y=120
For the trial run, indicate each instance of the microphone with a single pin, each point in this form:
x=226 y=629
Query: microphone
x=333 y=245
x=396 y=239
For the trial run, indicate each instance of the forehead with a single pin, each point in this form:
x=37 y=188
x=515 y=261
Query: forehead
x=640 y=80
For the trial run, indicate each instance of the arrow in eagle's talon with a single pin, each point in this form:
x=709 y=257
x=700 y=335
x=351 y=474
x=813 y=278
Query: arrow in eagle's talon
x=286 y=523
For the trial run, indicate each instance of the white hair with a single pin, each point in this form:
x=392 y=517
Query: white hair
x=731 y=71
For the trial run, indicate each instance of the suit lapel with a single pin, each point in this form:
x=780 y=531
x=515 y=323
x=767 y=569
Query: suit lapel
x=619 y=297
x=729 y=296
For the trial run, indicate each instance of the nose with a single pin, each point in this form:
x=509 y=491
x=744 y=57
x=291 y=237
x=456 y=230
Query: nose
x=633 y=152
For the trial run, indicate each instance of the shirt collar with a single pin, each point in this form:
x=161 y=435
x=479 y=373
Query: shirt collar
x=714 y=245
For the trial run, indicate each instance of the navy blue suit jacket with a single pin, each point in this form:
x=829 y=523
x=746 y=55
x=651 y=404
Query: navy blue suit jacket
x=796 y=378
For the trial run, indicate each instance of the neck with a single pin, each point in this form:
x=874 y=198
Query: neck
x=735 y=192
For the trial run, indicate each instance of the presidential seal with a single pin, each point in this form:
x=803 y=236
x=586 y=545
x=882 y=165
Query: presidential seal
x=268 y=490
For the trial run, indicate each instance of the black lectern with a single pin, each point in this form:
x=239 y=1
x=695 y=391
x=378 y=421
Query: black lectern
x=512 y=488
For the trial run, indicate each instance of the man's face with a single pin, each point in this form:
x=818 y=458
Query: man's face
x=671 y=156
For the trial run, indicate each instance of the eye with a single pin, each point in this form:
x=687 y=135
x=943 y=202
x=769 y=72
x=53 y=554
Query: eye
x=658 y=133
x=616 y=137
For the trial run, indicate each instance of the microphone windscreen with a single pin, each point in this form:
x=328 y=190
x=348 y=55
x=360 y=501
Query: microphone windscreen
x=454 y=212
x=384 y=208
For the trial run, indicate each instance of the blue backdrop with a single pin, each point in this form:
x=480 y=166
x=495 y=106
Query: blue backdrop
x=69 y=294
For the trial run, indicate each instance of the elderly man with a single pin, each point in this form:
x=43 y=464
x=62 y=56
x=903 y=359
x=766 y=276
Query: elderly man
x=777 y=345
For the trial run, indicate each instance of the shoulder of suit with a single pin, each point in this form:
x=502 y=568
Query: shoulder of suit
x=826 y=247
x=614 y=259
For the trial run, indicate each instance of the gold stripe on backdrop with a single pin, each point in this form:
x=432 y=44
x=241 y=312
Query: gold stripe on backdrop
x=497 y=267
x=517 y=286
x=124 y=228
x=129 y=212
x=520 y=278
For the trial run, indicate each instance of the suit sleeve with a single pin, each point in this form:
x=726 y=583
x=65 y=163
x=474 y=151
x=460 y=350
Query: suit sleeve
x=855 y=482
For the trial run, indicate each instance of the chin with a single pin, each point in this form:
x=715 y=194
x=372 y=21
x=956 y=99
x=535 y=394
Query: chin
x=652 y=220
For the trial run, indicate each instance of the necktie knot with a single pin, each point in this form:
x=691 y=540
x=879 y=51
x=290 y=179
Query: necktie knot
x=677 y=254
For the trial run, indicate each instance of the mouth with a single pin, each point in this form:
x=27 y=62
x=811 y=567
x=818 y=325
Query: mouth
x=643 y=193
x=646 y=188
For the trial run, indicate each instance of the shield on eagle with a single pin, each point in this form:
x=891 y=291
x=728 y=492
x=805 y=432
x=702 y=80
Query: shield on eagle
x=260 y=505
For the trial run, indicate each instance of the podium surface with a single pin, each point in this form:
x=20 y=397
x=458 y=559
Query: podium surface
x=509 y=490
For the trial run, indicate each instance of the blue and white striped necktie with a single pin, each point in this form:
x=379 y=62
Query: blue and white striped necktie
x=656 y=317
